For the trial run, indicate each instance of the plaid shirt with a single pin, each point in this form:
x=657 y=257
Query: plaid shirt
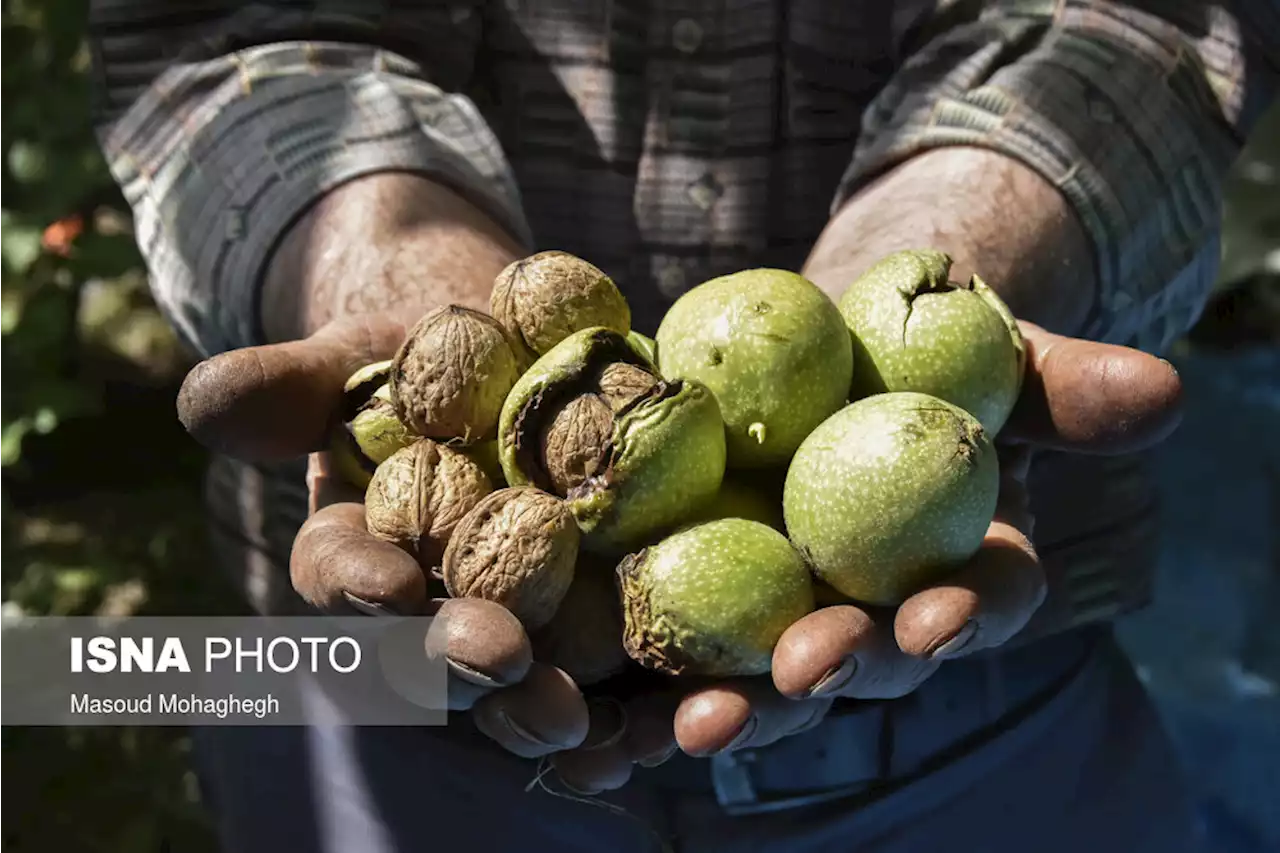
x=669 y=141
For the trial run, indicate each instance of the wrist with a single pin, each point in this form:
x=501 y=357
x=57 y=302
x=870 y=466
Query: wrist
x=390 y=241
x=994 y=215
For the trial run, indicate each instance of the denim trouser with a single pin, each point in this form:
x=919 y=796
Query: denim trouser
x=1087 y=769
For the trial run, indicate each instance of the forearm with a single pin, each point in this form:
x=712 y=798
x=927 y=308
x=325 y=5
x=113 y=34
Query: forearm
x=392 y=241
x=995 y=217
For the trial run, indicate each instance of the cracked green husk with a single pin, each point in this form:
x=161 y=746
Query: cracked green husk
x=663 y=461
x=915 y=330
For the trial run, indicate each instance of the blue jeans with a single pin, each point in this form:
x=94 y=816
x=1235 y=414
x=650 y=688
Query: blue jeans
x=1082 y=766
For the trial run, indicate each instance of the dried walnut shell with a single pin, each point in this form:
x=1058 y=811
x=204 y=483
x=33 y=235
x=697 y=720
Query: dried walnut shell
x=517 y=548
x=573 y=440
x=417 y=497
x=621 y=383
x=544 y=298
x=451 y=375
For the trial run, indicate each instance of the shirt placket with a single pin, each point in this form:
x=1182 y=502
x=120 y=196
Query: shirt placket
x=692 y=133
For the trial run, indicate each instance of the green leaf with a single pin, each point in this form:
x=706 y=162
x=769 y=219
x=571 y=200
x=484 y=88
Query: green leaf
x=19 y=246
x=28 y=162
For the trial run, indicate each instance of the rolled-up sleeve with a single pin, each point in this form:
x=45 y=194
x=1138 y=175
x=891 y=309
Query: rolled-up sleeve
x=235 y=136
x=1134 y=110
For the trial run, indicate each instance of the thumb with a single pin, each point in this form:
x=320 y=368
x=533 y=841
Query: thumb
x=276 y=402
x=1084 y=396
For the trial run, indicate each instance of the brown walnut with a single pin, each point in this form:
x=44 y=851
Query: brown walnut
x=573 y=440
x=419 y=494
x=620 y=383
x=452 y=373
x=517 y=547
x=544 y=298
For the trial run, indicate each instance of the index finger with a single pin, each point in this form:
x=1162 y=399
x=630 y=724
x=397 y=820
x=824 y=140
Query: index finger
x=275 y=402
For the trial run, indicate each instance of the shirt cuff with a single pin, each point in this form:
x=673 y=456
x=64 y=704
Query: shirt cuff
x=1127 y=129
x=218 y=159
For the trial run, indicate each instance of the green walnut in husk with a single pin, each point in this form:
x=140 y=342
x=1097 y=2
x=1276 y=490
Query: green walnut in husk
x=632 y=454
x=647 y=346
x=370 y=430
x=419 y=494
x=773 y=349
x=516 y=547
x=755 y=498
x=451 y=374
x=915 y=330
x=713 y=599
x=584 y=638
x=891 y=494
x=544 y=298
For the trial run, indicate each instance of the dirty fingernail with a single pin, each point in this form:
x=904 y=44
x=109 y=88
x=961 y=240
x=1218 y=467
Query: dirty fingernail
x=834 y=679
x=744 y=735
x=659 y=758
x=608 y=722
x=956 y=644
x=521 y=732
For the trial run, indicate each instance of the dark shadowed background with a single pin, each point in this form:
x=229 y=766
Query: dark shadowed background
x=101 y=486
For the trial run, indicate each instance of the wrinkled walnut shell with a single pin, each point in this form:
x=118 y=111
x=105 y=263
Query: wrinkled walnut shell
x=544 y=298
x=573 y=440
x=417 y=497
x=621 y=383
x=452 y=374
x=585 y=637
x=517 y=548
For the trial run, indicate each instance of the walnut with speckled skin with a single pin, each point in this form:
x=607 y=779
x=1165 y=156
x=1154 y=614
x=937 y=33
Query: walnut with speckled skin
x=890 y=495
x=419 y=494
x=713 y=599
x=915 y=330
x=544 y=298
x=451 y=375
x=772 y=347
x=517 y=547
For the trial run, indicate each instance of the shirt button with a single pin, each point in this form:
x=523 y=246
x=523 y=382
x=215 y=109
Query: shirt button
x=671 y=280
x=705 y=191
x=1101 y=111
x=686 y=35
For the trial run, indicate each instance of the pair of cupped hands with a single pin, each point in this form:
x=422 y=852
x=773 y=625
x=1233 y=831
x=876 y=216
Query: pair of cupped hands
x=277 y=402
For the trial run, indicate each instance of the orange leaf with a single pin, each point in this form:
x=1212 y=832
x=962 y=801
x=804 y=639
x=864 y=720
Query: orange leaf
x=59 y=236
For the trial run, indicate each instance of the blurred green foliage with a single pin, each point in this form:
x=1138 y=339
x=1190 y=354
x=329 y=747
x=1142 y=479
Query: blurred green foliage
x=101 y=487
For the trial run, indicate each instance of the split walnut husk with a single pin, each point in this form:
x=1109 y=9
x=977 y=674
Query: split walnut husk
x=451 y=374
x=517 y=547
x=419 y=494
x=544 y=298
x=631 y=454
x=370 y=430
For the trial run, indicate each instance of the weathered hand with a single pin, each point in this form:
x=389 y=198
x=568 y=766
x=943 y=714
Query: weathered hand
x=278 y=402
x=1078 y=396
